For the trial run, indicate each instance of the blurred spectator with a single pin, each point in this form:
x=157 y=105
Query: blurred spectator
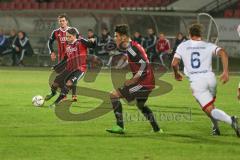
x=138 y=38
x=150 y=42
x=104 y=39
x=162 y=48
x=12 y=37
x=92 y=59
x=4 y=44
x=91 y=35
x=179 y=39
x=22 y=47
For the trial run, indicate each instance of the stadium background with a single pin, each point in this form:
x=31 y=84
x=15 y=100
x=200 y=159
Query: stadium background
x=38 y=19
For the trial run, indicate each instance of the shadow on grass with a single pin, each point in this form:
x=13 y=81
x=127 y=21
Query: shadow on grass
x=170 y=137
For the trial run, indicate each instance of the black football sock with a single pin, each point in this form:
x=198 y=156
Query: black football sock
x=63 y=94
x=147 y=112
x=60 y=97
x=214 y=122
x=74 y=90
x=53 y=90
x=117 y=109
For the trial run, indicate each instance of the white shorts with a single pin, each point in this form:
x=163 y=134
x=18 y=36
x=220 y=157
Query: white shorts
x=204 y=89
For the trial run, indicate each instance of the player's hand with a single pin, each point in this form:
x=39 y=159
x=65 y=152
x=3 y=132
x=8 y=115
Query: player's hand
x=17 y=49
x=224 y=77
x=53 y=56
x=238 y=94
x=178 y=76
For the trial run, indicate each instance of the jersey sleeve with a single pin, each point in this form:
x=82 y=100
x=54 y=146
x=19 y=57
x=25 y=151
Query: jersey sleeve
x=135 y=57
x=82 y=49
x=50 y=42
x=179 y=52
x=214 y=48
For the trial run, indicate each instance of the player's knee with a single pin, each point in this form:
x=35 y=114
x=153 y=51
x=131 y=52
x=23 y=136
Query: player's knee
x=209 y=109
x=69 y=84
x=114 y=95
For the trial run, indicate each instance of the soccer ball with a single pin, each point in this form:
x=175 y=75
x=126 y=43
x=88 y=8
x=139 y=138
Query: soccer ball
x=38 y=101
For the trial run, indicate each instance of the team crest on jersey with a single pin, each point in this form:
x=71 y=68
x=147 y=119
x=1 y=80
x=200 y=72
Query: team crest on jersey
x=70 y=50
x=62 y=39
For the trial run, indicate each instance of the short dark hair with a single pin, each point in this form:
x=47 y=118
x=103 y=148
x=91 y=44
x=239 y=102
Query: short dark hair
x=122 y=29
x=90 y=30
x=72 y=31
x=195 y=30
x=64 y=15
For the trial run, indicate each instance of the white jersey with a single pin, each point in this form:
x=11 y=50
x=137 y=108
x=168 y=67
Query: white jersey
x=197 y=57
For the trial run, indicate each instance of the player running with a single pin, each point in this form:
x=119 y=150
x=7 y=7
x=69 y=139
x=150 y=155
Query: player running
x=139 y=86
x=60 y=36
x=75 y=59
x=197 y=58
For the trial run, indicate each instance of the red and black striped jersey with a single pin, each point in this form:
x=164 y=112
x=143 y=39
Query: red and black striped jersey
x=60 y=36
x=139 y=64
x=76 y=55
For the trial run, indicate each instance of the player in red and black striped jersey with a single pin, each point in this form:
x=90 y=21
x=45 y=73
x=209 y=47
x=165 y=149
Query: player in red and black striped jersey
x=60 y=36
x=75 y=59
x=139 y=86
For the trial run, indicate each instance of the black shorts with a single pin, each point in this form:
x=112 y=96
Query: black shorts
x=133 y=92
x=73 y=76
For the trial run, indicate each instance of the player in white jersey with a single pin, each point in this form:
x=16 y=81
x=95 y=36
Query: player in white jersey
x=197 y=58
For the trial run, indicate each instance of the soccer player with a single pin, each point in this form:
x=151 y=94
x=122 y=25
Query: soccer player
x=139 y=86
x=60 y=36
x=75 y=59
x=197 y=58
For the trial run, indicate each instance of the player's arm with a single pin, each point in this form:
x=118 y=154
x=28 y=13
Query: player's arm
x=82 y=49
x=136 y=57
x=175 y=66
x=224 y=58
x=238 y=91
x=89 y=43
x=50 y=46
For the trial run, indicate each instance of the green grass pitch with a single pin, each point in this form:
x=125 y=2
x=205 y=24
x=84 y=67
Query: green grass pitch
x=31 y=133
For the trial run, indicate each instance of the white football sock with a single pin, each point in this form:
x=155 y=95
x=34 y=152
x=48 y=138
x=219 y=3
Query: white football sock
x=221 y=116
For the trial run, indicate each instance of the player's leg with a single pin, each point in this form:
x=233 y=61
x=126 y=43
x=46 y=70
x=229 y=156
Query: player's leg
x=224 y=117
x=200 y=90
x=72 y=80
x=74 y=93
x=58 y=83
x=117 y=109
x=147 y=112
x=64 y=91
x=206 y=99
x=53 y=92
